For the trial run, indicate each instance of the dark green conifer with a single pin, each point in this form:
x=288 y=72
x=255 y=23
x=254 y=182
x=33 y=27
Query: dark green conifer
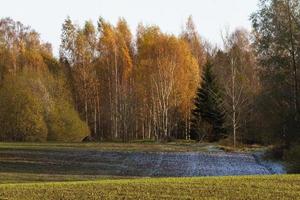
x=208 y=115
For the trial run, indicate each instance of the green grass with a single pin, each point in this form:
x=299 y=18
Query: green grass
x=246 y=187
x=16 y=177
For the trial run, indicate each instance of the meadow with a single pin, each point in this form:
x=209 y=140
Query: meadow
x=141 y=170
x=48 y=162
x=243 y=187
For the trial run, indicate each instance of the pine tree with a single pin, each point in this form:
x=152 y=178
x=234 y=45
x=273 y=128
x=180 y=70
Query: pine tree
x=208 y=115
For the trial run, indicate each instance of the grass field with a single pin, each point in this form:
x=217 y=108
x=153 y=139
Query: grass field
x=59 y=171
x=52 y=162
x=245 y=187
x=43 y=162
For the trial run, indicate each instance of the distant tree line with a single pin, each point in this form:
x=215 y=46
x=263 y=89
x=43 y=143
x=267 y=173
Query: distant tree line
x=109 y=85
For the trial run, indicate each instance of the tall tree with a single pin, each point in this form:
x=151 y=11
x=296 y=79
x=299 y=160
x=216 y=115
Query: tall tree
x=172 y=78
x=277 y=38
x=192 y=37
x=116 y=61
x=209 y=115
x=78 y=52
x=237 y=74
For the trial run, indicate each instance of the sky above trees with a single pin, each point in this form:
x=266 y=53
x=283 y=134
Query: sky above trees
x=210 y=16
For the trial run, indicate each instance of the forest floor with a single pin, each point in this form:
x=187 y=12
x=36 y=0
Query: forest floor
x=47 y=162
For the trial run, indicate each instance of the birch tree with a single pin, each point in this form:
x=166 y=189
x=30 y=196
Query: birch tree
x=172 y=72
x=239 y=79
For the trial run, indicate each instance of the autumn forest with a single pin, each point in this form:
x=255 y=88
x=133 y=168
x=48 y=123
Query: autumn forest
x=112 y=84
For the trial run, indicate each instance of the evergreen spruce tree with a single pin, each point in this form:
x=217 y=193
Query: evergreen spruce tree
x=208 y=117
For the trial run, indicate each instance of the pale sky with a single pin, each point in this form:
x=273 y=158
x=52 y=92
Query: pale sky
x=210 y=16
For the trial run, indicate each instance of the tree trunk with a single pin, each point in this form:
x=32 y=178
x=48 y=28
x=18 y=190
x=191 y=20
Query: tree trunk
x=292 y=51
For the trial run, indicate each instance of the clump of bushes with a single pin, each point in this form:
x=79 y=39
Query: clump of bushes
x=29 y=111
x=21 y=113
x=65 y=125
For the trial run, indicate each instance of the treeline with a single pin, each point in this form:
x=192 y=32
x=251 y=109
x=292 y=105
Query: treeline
x=127 y=89
x=109 y=84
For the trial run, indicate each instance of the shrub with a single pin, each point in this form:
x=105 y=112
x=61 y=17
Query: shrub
x=30 y=110
x=65 y=125
x=21 y=113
